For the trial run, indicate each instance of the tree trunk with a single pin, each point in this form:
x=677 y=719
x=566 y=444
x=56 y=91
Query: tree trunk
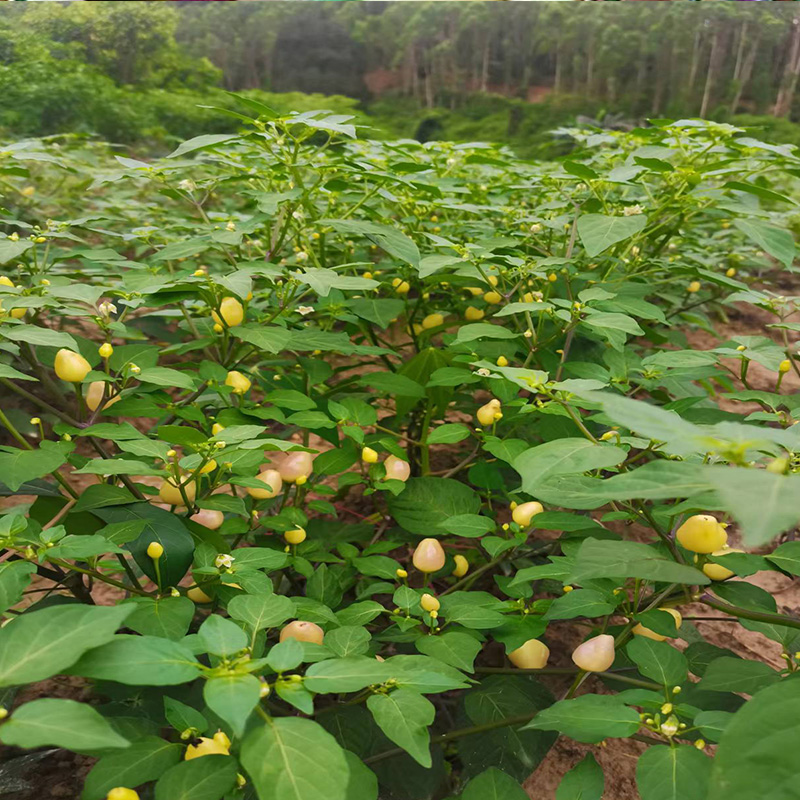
x=713 y=61
x=557 y=79
x=485 y=65
x=744 y=74
x=695 y=64
x=783 y=103
x=737 y=69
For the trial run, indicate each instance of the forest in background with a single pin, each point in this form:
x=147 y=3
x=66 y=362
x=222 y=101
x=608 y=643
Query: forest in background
x=138 y=72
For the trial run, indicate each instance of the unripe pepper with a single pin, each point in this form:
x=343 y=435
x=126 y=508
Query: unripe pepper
x=208 y=518
x=274 y=484
x=94 y=394
x=197 y=595
x=489 y=413
x=640 y=629
x=238 y=382
x=525 y=512
x=295 y=536
x=171 y=494
x=461 y=566
x=532 y=655
x=296 y=465
x=432 y=321
x=155 y=550
x=429 y=603
x=122 y=793
x=493 y=298
x=369 y=456
x=595 y=654
x=428 y=556
x=716 y=571
x=702 y=534
x=397 y=469
x=473 y=314
x=303 y=631
x=218 y=745
x=230 y=312
x=71 y=367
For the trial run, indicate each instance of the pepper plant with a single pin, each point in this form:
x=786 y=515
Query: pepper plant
x=342 y=469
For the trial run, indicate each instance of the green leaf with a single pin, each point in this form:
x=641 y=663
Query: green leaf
x=164 y=376
x=454 y=648
x=673 y=773
x=580 y=603
x=11 y=250
x=169 y=617
x=605 y=558
x=787 y=557
x=564 y=457
x=392 y=383
x=589 y=718
x=261 y=611
x=183 y=717
x=712 y=724
x=469 y=525
x=727 y=674
x=145 y=760
x=658 y=661
x=757 y=753
x=345 y=674
x=598 y=232
x=40 y=337
x=778 y=242
x=39 y=644
x=159 y=526
x=394 y=242
x=232 y=698
x=362 y=782
x=60 y=723
x=139 y=661
x=427 y=502
x=450 y=433
x=404 y=716
x=349 y=640
x=379 y=312
x=20 y=466
x=221 y=636
x=14 y=578
x=295 y=759
x=762 y=503
x=265 y=338
x=206 y=778
x=493 y=784
x=483 y=330
x=202 y=142
x=585 y=781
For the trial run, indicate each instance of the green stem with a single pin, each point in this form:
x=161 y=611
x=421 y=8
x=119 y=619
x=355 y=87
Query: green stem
x=756 y=616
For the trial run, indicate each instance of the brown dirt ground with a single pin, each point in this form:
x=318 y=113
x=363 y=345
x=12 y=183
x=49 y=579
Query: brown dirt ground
x=59 y=775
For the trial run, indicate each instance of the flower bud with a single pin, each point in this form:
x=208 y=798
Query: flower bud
x=71 y=367
x=461 y=566
x=502 y=361
x=210 y=465
x=428 y=556
x=230 y=312
x=596 y=654
x=532 y=655
x=432 y=321
x=702 y=534
x=397 y=469
x=209 y=518
x=197 y=595
x=238 y=382
x=369 y=456
x=693 y=287
x=296 y=465
x=295 y=536
x=525 y=512
x=224 y=561
x=302 y=631
x=171 y=494
x=217 y=428
x=401 y=287
x=488 y=414
x=401 y=573
x=493 y=298
x=716 y=571
x=155 y=550
x=429 y=603
x=640 y=630
x=105 y=350
x=784 y=366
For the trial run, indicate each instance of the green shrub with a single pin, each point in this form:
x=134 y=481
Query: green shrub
x=338 y=466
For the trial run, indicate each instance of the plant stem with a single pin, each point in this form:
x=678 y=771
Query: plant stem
x=756 y=616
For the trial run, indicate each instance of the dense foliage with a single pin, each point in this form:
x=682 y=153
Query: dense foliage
x=505 y=72
x=336 y=442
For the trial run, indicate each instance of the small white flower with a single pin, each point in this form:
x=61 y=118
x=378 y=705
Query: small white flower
x=231 y=226
x=187 y=185
x=134 y=369
x=483 y=372
x=302 y=256
x=451 y=162
x=305 y=310
x=528 y=333
x=536 y=227
x=632 y=211
x=670 y=726
x=224 y=560
x=106 y=309
x=297 y=214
